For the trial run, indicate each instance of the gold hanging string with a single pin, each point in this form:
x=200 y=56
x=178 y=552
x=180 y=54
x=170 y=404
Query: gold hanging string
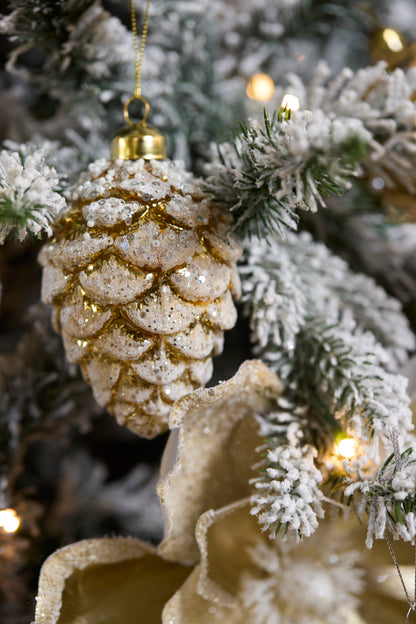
x=138 y=61
x=139 y=139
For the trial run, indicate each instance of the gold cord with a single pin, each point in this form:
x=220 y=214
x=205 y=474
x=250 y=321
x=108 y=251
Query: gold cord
x=138 y=140
x=138 y=59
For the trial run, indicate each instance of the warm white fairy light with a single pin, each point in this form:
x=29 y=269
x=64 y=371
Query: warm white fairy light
x=9 y=520
x=260 y=87
x=290 y=102
x=346 y=447
x=392 y=39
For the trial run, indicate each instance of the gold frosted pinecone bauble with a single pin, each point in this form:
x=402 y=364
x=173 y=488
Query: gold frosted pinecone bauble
x=141 y=274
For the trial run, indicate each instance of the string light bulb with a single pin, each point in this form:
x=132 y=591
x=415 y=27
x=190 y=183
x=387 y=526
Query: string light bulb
x=260 y=87
x=346 y=447
x=393 y=39
x=9 y=520
x=390 y=46
x=290 y=103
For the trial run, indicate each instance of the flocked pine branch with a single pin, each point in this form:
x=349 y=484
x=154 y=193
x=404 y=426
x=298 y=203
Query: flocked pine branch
x=343 y=391
x=373 y=242
x=325 y=331
x=338 y=374
x=289 y=165
x=355 y=226
x=68 y=159
x=83 y=45
x=383 y=102
x=389 y=499
x=355 y=124
x=40 y=395
x=288 y=495
x=287 y=281
x=243 y=39
x=130 y=503
x=28 y=201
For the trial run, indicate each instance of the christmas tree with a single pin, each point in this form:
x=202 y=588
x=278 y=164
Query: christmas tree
x=142 y=479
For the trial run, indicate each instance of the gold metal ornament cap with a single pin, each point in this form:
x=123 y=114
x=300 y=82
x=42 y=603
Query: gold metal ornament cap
x=138 y=140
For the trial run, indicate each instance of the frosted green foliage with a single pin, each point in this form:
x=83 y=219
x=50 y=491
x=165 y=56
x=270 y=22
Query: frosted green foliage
x=42 y=21
x=331 y=335
x=193 y=99
x=357 y=123
x=383 y=103
x=43 y=399
x=83 y=44
x=328 y=331
x=39 y=391
x=389 y=499
x=285 y=282
x=287 y=166
x=353 y=225
x=28 y=201
x=89 y=60
x=131 y=499
x=335 y=374
x=287 y=495
x=338 y=373
x=69 y=161
x=382 y=248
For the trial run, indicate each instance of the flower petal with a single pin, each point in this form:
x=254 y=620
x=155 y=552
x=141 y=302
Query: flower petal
x=217 y=442
x=106 y=580
x=224 y=537
x=188 y=607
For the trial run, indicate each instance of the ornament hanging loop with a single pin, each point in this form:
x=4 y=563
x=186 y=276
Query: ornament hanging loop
x=146 y=109
x=138 y=139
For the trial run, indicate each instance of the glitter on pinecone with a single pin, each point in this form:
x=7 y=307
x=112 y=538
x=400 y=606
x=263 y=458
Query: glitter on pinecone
x=141 y=274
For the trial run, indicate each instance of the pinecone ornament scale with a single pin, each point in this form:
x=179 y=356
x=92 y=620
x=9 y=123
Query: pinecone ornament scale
x=141 y=275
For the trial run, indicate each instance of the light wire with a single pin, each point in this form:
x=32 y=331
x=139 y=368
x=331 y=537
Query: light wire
x=412 y=605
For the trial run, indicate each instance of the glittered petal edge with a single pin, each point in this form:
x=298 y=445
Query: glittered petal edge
x=61 y=564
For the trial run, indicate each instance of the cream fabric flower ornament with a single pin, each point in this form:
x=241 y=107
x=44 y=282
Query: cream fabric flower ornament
x=284 y=468
x=243 y=578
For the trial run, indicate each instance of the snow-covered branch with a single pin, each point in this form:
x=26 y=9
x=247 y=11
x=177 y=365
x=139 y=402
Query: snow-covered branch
x=28 y=201
x=328 y=333
x=356 y=124
x=285 y=282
